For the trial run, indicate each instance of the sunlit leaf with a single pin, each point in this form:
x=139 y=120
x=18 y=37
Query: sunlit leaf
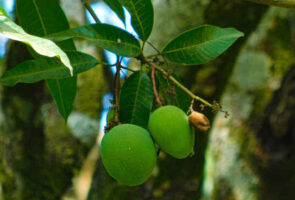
x=200 y=45
x=142 y=16
x=136 y=99
x=47 y=68
x=42 y=46
x=106 y=36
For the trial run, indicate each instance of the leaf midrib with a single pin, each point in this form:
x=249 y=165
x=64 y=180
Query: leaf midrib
x=45 y=33
x=196 y=45
x=138 y=19
x=98 y=39
x=44 y=71
x=40 y=17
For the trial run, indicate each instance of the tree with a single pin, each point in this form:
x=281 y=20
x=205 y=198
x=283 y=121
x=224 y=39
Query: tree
x=154 y=85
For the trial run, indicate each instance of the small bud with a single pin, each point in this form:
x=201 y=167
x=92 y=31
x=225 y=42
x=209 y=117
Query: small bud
x=199 y=121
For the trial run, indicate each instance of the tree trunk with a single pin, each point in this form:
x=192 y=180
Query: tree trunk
x=250 y=154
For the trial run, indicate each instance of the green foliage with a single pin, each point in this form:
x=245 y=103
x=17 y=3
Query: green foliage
x=47 y=68
x=41 y=18
x=136 y=99
x=200 y=45
x=105 y=36
x=46 y=18
x=128 y=154
x=42 y=46
x=142 y=16
x=170 y=128
x=116 y=7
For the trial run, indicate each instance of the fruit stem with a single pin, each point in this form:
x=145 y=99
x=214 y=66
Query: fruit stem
x=171 y=78
x=155 y=88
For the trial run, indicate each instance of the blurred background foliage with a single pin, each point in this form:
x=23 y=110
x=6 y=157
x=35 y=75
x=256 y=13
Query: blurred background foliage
x=249 y=155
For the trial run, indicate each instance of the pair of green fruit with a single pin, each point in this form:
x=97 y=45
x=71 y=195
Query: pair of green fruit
x=128 y=151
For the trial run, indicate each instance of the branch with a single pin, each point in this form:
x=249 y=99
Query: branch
x=279 y=3
x=155 y=87
x=171 y=78
x=91 y=11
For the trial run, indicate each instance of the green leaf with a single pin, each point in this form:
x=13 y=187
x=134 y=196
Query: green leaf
x=64 y=93
x=142 y=16
x=117 y=7
x=136 y=99
x=41 y=18
x=106 y=36
x=42 y=46
x=173 y=94
x=200 y=45
x=47 y=68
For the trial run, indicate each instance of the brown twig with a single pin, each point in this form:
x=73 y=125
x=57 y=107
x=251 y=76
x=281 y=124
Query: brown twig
x=171 y=78
x=155 y=88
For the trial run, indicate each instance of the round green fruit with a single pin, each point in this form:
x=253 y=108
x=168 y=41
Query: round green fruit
x=170 y=128
x=128 y=154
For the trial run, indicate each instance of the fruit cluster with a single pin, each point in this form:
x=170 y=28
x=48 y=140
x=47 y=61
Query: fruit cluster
x=128 y=151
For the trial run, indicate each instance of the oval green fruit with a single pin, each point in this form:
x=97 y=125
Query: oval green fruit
x=170 y=128
x=128 y=154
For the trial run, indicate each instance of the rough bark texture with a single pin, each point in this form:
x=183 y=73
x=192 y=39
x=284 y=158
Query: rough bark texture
x=24 y=128
x=276 y=136
x=39 y=163
x=247 y=157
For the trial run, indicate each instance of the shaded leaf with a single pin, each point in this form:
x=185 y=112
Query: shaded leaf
x=42 y=46
x=200 y=45
x=142 y=16
x=117 y=8
x=136 y=99
x=106 y=36
x=45 y=17
x=47 y=68
x=64 y=93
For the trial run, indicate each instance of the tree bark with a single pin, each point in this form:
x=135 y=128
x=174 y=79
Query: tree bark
x=24 y=128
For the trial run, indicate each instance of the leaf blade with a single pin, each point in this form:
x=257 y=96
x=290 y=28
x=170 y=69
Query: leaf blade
x=47 y=68
x=136 y=99
x=106 y=36
x=42 y=46
x=142 y=13
x=47 y=17
x=201 y=44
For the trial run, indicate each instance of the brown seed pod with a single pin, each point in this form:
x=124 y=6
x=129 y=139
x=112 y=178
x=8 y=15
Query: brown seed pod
x=199 y=121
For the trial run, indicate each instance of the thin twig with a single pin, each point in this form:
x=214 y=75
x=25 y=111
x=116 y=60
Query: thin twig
x=158 y=51
x=91 y=11
x=117 y=88
x=153 y=55
x=155 y=88
x=122 y=67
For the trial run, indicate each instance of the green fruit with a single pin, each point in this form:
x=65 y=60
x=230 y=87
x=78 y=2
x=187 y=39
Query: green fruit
x=128 y=154
x=170 y=128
